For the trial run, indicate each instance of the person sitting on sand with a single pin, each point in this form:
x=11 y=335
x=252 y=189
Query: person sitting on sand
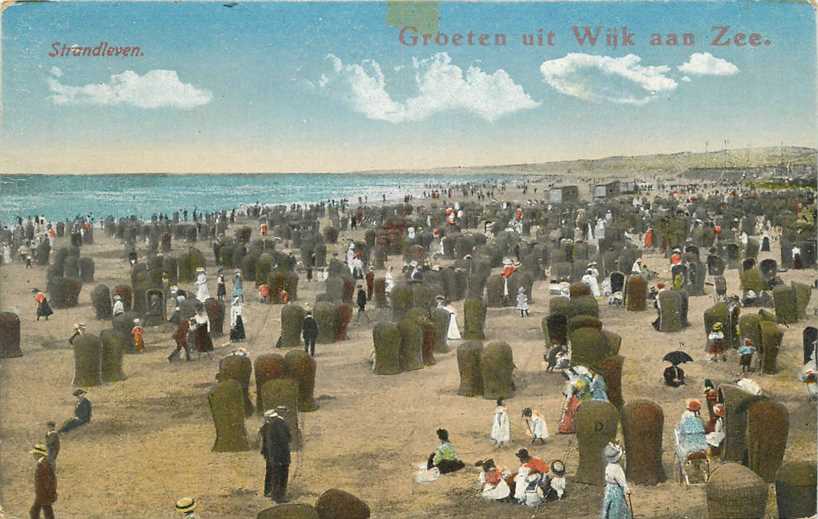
x=493 y=485
x=444 y=458
x=82 y=412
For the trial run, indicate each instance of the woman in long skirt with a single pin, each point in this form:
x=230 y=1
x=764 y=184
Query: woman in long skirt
x=202 y=333
x=614 y=505
x=236 y=321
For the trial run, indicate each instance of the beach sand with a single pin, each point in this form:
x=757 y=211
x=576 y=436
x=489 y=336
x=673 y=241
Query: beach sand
x=151 y=436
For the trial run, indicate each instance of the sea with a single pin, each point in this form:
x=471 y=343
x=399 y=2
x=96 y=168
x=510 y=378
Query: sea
x=59 y=197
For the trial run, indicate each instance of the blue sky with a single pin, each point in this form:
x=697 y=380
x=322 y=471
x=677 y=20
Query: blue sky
x=251 y=88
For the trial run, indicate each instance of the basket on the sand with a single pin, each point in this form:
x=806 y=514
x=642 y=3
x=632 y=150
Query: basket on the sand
x=387 y=340
x=496 y=369
x=268 y=366
x=325 y=317
x=771 y=337
x=440 y=319
x=9 y=335
x=240 y=369
x=87 y=359
x=642 y=425
x=411 y=344
x=337 y=504
x=768 y=423
x=301 y=367
x=611 y=370
x=284 y=391
x=795 y=489
x=292 y=321
x=474 y=313
x=736 y=492
x=468 y=365
x=113 y=349
x=227 y=409
x=670 y=311
x=289 y=511
x=786 y=304
x=596 y=423
x=589 y=347
x=636 y=294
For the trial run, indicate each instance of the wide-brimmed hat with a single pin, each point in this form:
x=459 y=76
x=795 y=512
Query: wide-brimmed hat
x=186 y=504
x=39 y=450
x=137 y=321
x=282 y=409
x=200 y=269
x=79 y=392
x=117 y=297
x=506 y=261
x=612 y=453
x=717 y=326
x=440 y=298
x=523 y=454
x=413 y=263
x=558 y=468
x=694 y=405
x=269 y=413
x=78 y=326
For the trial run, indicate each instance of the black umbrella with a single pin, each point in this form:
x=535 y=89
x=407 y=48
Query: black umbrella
x=677 y=357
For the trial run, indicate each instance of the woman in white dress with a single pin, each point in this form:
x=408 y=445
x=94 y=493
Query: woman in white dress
x=454 y=330
x=500 y=426
x=202 y=294
x=492 y=484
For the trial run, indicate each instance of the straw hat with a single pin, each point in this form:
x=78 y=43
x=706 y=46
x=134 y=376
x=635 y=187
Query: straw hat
x=117 y=297
x=282 y=409
x=413 y=264
x=717 y=327
x=186 y=504
x=506 y=261
x=558 y=467
x=612 y=453
x=79 y=392
x=39 y=450
x=200 y=269
x=694 y=406
x=269 y=413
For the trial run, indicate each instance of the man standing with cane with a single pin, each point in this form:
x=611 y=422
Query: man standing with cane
x=275 y=447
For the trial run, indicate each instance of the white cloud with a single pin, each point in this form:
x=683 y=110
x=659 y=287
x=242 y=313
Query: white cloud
x=441 y=86
x=56 y=71
x=155 y=89
x=705 y=64
x=603 y=78
x=686 y=79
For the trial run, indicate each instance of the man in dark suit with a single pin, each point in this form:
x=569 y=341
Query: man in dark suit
x=674 y=376
x=45 y=485
x=275 y=447
x=82 y=412
x=310 y=333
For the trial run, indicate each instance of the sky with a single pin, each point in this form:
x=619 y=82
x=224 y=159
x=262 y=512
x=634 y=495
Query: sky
x=294 y=87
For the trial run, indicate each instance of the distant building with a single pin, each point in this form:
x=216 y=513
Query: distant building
x=563 y=194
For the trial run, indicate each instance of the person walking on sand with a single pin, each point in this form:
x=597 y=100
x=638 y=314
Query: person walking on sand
x=138 y=334
x=201 y=327
x=310 y=333
x=500 y=426
x=236 y=321
x=522 y=302
x=275 y=447
x=119 y=306
x=180 y=336
x=221 y=287
x=616 y=486
x=45 y=484
x=361 y=301
x=238 y=286
x=202 y=293
x=52 y=443
x=43 y=308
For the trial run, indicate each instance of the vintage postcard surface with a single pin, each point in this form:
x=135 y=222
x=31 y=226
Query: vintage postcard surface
x=408 y=260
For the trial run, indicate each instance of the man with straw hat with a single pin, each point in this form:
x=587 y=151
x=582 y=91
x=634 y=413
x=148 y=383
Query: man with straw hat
x=275 y=447
x=186 y=506
x=616 y=486
x=45 y=484
x=716 y=343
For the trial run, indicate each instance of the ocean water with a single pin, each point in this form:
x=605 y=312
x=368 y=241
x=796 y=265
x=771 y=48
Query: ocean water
x=65 y=196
